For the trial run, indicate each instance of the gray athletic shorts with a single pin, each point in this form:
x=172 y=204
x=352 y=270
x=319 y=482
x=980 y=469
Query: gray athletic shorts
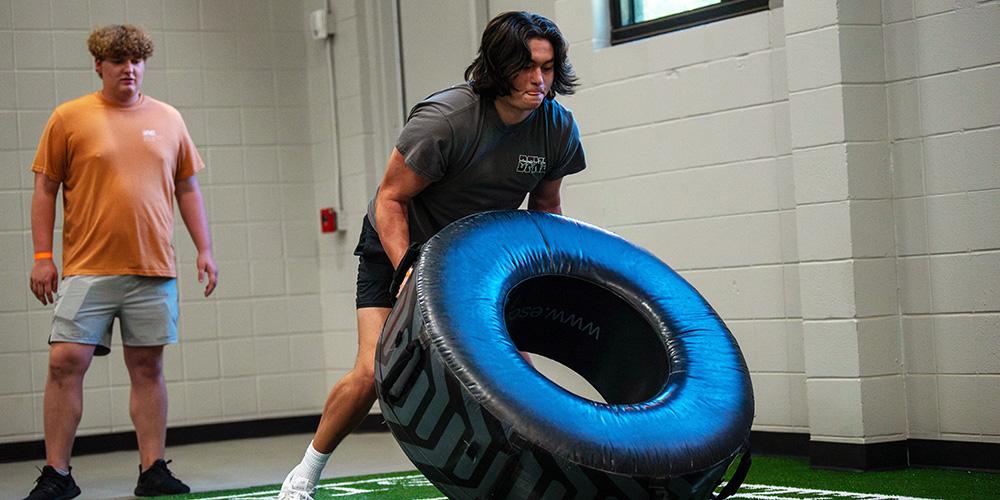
x=86 y=306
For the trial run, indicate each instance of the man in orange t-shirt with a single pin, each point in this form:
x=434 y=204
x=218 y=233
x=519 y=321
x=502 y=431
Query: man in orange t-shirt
x=121 y=158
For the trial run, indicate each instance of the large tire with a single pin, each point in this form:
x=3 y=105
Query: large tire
x=480 y=422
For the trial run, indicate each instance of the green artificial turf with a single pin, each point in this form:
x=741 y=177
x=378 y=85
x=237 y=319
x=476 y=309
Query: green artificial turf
x=920 y=483
x=773 y=472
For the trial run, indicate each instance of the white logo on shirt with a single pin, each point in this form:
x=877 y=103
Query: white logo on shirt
x=150 y=136
x=531 y=164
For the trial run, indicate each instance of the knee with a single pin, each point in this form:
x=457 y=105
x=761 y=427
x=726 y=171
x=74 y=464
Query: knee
x=65 y=366
x=363 y=379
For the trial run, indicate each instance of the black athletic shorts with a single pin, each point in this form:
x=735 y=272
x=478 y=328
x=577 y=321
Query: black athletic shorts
x=374 y=270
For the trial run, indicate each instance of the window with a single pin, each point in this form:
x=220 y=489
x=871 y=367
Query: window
x=635 y=19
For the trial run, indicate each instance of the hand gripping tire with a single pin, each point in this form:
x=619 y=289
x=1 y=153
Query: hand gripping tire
x=479 y=422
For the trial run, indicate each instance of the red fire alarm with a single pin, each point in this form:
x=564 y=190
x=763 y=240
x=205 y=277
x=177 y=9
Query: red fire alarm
x=328 y=219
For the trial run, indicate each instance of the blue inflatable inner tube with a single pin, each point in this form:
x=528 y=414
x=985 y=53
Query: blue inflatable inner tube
x=480 y=422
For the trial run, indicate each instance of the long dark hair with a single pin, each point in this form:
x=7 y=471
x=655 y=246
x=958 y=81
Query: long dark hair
x=504 y=52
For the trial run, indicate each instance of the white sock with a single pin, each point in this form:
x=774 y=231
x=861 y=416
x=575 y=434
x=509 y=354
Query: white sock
x=61 y=472
x=312 y=464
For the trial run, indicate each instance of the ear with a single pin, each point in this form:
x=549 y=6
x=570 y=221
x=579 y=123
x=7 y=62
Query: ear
x=97 y=66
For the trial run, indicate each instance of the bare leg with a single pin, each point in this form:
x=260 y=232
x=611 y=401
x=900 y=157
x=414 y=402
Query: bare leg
x=148 y=401
x=63 y=402
x=352 y=397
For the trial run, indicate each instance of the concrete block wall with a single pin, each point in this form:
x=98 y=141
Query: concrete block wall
x=239 y=74
x=943 y=79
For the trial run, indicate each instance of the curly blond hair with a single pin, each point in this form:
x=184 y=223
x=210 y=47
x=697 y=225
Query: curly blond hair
x=120 y=41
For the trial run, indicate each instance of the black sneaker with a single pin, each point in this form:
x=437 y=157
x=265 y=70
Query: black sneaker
x=158 y=480
x=54 y=486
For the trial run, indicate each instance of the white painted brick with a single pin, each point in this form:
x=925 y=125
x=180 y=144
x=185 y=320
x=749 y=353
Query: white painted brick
x=879 y=346
x=911 y=226
x=763 y=291
x=727 y=84
x=835 y=409
x=18 y=414
x=872 y=228
x=738 y=35
x=201 y=360
x=239 y=397
x=922 y=406
x=806 y=15
x=267 y=278
x=824 y=231
x=939 y=44
x=33 y=50
x=199 y=320
x=884 y=406
x=865 y=113
x=957 y=283
x=900 y=50
x=30 y=124
x=914 y=276
x=817 y=117
x=961 y=407
x=274 y=395
x=760 y=342
x=855 y=12
x=96 y=409
x=617 y=110
x=776 y=25
x=793 y=298
x=907 y=168
x=743 y=293
x=814 y=59
x=236 y=358
x=894 y=11
x=918 y=345
x=862 y=50
x=962 y=162
x=772 y=398
x=304 y=314
x=967 y=344
x=799 y=398
x=203 y=400
x=903 y=102
x=821 y=174
x=576 y=20
x=875 y=287
x=831 y=348
x=870 y=172
x=979 y=105
x=978 y=26
x=785 y=173
x=13 y=367
x=963 y=222
x=989 y=392
x=35 y=90
x=16 y=338
x=827 y=290
x=941 y=104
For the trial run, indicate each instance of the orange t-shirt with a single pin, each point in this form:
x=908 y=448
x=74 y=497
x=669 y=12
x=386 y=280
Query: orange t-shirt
x=118 y=165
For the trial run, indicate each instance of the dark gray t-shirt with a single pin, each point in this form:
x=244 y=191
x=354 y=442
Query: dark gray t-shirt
x=475 y=162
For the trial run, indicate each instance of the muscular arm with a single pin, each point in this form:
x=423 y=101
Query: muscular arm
x=399 y=185
x=44 y=280
x=192 y=209
x=545 y=197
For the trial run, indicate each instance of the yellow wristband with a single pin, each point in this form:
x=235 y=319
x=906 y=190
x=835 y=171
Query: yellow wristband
x=43 y=255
